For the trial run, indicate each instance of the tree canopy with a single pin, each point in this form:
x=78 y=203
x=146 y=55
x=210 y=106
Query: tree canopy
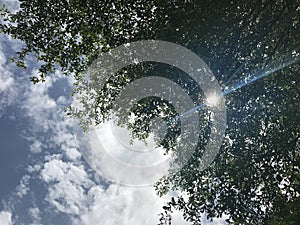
x=255 y=179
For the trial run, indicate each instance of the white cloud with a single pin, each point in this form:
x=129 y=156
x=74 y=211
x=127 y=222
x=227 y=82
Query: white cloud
x=119 y=205
x=39 y=106
x=67 y=197
x=5 y=218
x=73 y=154
x=57 y=170
x=12 y=5
x=5 y=83
x=115 y=159
x=36 y=147
x=34 y=213
x=33 y=168
x=71 y=191
x=216 y=221
x=23 y=188
x=8 y=87
x=67 y=183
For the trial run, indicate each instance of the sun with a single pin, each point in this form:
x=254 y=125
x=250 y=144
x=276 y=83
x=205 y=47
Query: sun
x=213 y=100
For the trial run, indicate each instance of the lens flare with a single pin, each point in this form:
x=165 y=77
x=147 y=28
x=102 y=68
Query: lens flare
x=257 y=76
x=212 y=100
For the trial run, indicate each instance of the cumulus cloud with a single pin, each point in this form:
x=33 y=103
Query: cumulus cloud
x=8 y=89
x=119 y=205
x=34 y=213
x=71 y=191
x=5 y=83
x=38 y=105
x=66 y=185
x=58 y=170
x=5 y=218
x=36 y=147
x=23 y=188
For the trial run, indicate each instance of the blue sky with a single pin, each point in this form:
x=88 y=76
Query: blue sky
x=44 y=178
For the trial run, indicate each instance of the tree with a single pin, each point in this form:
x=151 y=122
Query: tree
x=255 y=178
x=69 y=34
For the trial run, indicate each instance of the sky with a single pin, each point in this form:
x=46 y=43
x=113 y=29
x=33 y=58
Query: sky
x=43 y=177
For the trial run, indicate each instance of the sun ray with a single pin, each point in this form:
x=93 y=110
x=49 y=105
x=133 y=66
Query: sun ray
x=238 y=85
x=257 y=76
